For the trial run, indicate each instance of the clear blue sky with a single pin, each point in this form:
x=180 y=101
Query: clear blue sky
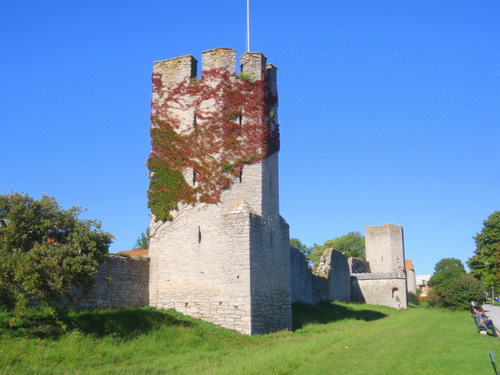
x=389 y=110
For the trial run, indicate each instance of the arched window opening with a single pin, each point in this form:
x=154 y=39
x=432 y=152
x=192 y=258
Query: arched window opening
x=395 y=292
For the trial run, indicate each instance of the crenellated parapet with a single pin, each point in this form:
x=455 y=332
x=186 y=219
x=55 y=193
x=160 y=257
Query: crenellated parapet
x=184 y=68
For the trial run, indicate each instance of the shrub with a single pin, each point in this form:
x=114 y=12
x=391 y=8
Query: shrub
x=413 y=299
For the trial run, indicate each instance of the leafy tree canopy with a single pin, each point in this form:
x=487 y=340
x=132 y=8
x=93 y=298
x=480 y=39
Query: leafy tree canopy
x=303 y=248
x=485 y=263
x=445 y=271
x=452 y=286
x=352 y=245
x=46 y=251
x=142 y=241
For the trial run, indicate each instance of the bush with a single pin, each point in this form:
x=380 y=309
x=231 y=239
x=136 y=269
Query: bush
x=413 y=299
x=462 y=291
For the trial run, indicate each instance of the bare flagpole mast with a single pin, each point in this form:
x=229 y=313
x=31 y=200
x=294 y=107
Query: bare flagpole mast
x=248 y=25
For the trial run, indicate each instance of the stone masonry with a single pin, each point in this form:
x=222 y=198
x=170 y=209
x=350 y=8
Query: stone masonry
x=386 y=284
x=227 y=262
x=339 y=278
x=119 y=282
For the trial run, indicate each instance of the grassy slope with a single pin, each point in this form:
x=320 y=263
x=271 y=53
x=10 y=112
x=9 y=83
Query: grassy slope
x=348 y=339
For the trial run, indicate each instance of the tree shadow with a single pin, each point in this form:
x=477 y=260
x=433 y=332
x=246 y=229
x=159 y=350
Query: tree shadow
x=327 y=312
x=126 y=323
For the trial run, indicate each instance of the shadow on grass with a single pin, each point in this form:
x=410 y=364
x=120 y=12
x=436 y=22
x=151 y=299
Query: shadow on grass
x=323 y=313
x=126 y=323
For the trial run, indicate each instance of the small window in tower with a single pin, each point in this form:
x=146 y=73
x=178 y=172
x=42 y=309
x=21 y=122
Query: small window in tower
x=240 y=119
x=395 y=292
x=194 y=120
x=194 y=177
x=240 y=175
x=199 y=234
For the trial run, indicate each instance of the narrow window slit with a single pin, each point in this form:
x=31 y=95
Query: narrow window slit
x=199 y=234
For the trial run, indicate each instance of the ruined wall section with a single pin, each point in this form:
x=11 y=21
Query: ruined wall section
x=120 y=282
x=306 y=286
x=334 y=266
x=224 y=262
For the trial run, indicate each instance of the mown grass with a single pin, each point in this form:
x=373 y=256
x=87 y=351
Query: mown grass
x=327 y=339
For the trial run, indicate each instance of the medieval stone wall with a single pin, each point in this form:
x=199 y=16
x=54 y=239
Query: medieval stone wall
x=388 y=289
x=306 y=286
x=411 y=281
x=120 y=282
x=350 y=280
x=357 y=265
x=334 y=266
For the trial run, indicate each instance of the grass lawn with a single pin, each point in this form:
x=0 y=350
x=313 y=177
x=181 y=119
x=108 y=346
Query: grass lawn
x=328 y=339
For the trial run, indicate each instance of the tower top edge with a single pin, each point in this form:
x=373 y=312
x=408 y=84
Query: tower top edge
x=219 y=49
x=383 y=226
x=176 y=58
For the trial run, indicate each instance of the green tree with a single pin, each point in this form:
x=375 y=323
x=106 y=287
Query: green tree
x=445 y=271
x=142 y=241
x=352 y=245
x=452 y=287
x=463 y=290
x=485 y=263
x=297 y=244
x=46 y=251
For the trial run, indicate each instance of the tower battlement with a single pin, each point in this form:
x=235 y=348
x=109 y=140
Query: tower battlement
x=176 y=70
x=182 y=68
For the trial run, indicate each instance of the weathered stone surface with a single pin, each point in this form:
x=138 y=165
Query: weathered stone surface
x=227 y=263
x=120 y=282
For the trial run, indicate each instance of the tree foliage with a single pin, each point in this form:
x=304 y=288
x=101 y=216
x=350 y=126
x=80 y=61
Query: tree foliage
x=452 y=286
x=485 y=263
x=445 y=271
x=352 y=245
x=142 y=241
x=303 y=248
x=46 y=251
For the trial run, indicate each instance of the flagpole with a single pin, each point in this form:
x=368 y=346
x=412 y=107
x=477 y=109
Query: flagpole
x=248 y=25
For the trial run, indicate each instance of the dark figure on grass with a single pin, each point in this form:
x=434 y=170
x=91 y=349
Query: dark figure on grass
x=482 y=319
x=473 y=308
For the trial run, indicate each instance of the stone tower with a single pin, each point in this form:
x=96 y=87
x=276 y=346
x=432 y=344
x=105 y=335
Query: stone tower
x=219 y=249
x=386 y=284
x=384 y=248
